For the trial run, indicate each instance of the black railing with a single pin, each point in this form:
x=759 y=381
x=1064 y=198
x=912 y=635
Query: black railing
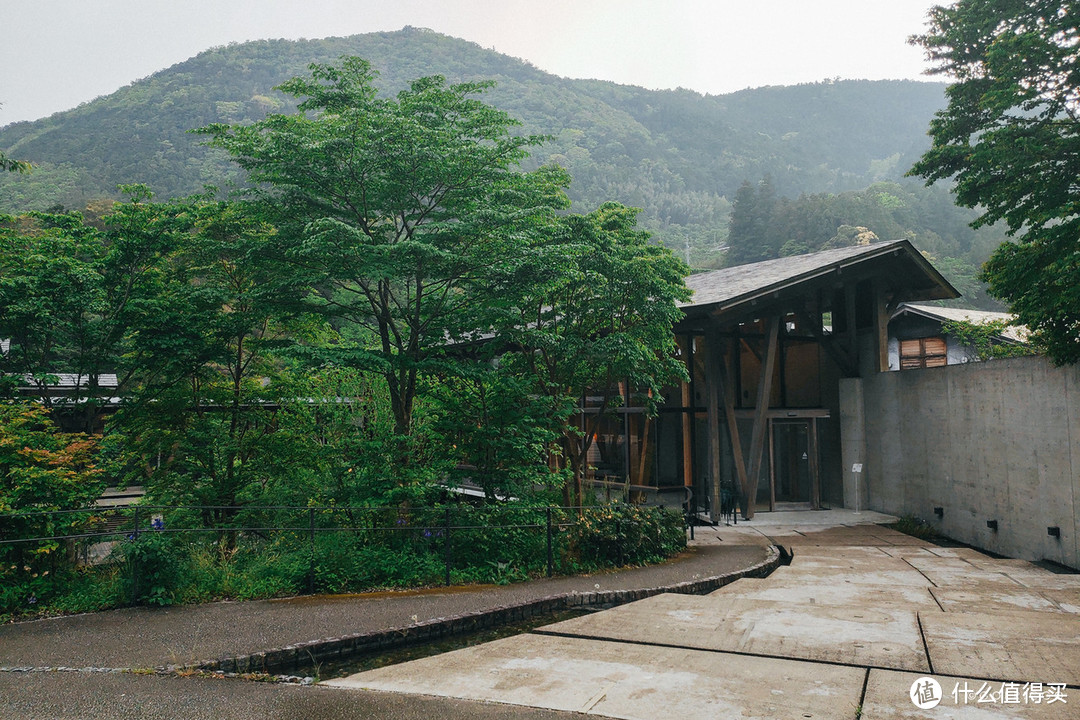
x=531 y=539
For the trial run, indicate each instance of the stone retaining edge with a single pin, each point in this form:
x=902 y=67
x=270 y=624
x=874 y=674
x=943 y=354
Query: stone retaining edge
x=292 y=657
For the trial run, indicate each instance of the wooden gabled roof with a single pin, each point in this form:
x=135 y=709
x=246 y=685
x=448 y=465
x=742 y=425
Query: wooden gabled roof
x=908 y=274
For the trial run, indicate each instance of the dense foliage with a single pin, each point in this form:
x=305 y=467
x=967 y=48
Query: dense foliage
x=590 y=310
x=1010 y=136
x=172 y=560
x=765 y=225
x=360 y=329
x=40 y=469
x=984 y=341
x=400 y=207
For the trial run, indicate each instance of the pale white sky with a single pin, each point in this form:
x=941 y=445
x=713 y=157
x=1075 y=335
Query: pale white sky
x=56 y=54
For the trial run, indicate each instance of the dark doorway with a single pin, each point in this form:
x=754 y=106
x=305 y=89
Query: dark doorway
x=794 y=464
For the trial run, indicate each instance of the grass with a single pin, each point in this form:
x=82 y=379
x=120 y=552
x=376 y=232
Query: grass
x=916 y=527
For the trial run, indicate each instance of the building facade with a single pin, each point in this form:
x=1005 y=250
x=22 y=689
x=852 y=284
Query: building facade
x=766 y=348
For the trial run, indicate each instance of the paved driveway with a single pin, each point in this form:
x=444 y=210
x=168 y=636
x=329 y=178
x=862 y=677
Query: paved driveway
x=858 y=621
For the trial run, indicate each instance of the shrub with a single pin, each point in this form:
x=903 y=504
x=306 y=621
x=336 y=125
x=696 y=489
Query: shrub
x=626 y=534
x=268 y=569
x=155 y=567
x=916 y=527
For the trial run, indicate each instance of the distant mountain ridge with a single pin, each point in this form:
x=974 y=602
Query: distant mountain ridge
x=678 y=154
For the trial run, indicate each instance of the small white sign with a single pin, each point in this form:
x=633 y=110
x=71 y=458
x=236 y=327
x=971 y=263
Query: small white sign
x=856 y=468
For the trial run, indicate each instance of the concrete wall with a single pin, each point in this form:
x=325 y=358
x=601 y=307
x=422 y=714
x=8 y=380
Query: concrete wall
x=996 y=440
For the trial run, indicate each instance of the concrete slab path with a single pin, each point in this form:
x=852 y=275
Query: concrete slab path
x=862 y=609
x=152 y=637
x=627 y=680
x=95 y=666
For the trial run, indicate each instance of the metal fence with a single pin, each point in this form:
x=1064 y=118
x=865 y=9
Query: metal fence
x=449 y=532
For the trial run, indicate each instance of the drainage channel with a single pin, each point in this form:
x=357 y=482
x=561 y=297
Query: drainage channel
x=335 y=657
x=376 y=659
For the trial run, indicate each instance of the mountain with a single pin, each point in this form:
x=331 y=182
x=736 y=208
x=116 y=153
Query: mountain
x=678 y=154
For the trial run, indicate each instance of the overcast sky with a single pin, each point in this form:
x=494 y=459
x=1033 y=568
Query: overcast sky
x=56 y=54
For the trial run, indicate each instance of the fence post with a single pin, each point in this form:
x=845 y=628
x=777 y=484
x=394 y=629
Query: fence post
x=311 y=563
x=618 y=539
x=135 y=561
x=549 y=557
x=446 y=545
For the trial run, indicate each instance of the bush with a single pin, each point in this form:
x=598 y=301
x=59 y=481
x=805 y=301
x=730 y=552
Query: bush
x=916 y=527
x=261 y=570
x=387 y=547
x=626 y=534
x=155 y=567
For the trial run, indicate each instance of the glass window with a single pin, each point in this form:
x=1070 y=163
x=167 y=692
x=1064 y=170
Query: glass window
x=606 y=456
x=642 y=434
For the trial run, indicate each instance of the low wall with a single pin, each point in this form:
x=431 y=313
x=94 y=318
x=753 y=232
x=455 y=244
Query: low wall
x=991 y=441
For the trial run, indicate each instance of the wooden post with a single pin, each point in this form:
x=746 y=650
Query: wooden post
x=761 y=407
x=727 y=399
x=772 y=468
x=713 y=358
x=815 y=482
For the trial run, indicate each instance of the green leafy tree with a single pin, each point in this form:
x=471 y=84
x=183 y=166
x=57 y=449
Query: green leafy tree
x=41 y=469
x=1010 y=137
x=849 y=236
x=334 y=443
x=69 y=292
x=206 y=354
x=750 y=236
x=501 y=432
x=588 y=310
x=58 y=310
x=395 y=209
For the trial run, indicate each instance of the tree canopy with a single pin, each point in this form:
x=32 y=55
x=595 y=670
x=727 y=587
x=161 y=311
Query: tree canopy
x=592 y=312
x=1010 y=137
x=392 y=285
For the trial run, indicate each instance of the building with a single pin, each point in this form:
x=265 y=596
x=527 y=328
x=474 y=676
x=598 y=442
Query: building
x=918 y=335
x=766 y=346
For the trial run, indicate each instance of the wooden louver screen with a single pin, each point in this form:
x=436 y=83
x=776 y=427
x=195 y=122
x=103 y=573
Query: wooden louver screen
x=922 y=353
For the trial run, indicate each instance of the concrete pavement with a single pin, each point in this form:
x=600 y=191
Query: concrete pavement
x=100 y=665
x=190 y=634
x=860 y=616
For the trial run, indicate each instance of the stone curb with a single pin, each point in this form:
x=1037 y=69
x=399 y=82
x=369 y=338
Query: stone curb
x=292 y=657
x=263 y=677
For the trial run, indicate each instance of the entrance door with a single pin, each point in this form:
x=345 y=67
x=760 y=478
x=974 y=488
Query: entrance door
x=794 y=464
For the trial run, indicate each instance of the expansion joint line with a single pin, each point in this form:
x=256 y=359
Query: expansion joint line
x=926 y=648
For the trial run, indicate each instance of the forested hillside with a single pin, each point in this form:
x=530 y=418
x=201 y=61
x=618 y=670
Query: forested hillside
x=679 y=155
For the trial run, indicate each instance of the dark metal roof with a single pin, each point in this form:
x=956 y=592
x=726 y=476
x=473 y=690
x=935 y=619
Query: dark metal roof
x=897 y=263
